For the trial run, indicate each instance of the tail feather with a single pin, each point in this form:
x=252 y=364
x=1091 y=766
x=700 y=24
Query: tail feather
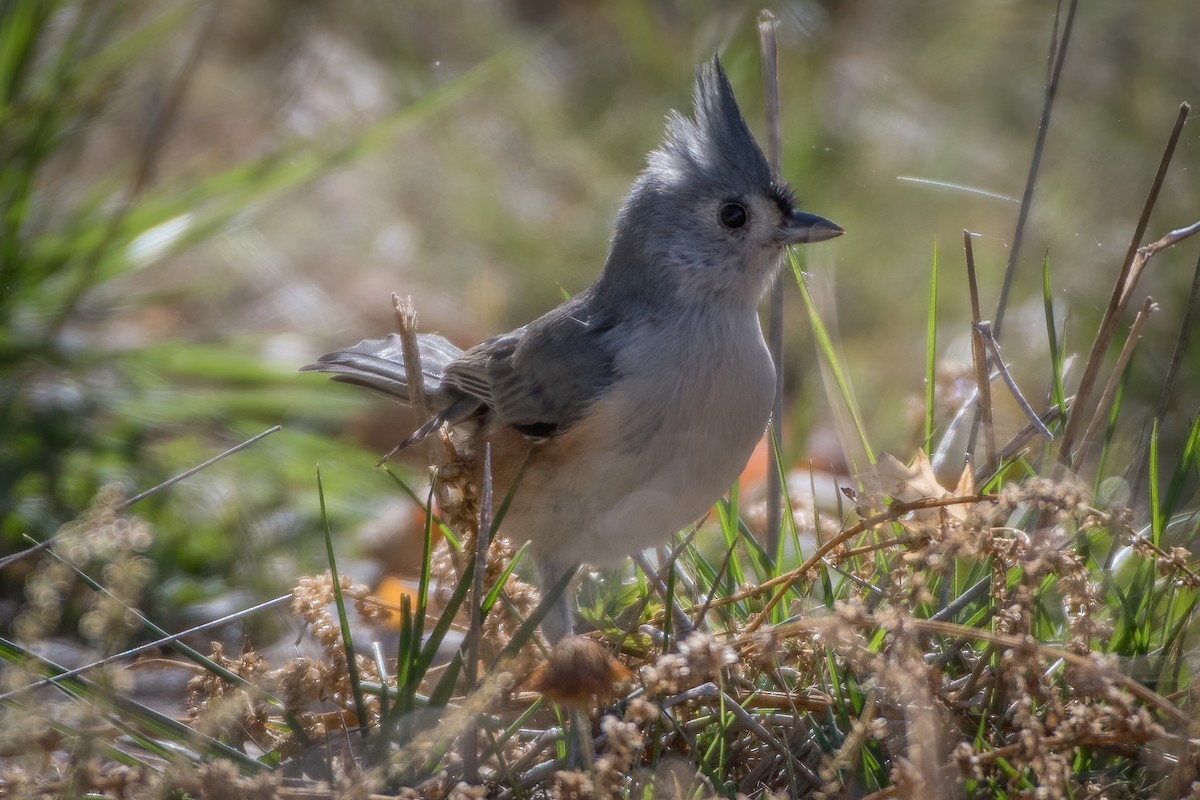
x=377 y=365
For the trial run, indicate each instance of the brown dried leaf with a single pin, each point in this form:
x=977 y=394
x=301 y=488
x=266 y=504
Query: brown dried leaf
x=910 y=483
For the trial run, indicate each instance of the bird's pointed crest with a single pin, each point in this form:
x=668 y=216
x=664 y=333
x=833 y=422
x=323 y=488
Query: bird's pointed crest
x=717 y=143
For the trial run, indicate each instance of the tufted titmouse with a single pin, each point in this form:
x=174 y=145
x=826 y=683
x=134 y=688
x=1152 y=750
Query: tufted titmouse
x=636 y=403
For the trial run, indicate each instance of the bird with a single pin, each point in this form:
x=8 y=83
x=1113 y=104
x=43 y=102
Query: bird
x=633 y=406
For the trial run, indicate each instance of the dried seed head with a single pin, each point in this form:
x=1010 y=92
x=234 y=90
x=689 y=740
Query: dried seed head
x=578 y=671
x=572 y=786
x=705 y=655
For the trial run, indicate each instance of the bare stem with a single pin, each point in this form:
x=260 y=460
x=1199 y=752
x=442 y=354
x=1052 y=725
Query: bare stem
x=1181 y=344
x=983 y=332
x=1110 y=388
x=982 y=373
x=1130 y=272
x=1058 y=56
x=767 y=25
x=470 y=745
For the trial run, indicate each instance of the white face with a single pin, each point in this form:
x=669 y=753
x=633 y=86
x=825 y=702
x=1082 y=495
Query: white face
x=725 y=249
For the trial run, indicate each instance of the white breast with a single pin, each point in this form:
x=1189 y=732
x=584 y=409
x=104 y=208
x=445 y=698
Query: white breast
x=672 y=435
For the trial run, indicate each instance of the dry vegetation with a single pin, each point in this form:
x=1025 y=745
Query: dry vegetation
x=1030 y=631
x=866 y=684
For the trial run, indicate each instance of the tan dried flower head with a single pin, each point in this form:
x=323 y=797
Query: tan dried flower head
x=641 y=711
x=572 y=785
x=624 y=740
x=465 y=791
x=668 y=675
x=578 y=672
x=706 y=657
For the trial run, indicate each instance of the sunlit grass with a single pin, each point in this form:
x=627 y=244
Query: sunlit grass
x=1015 y=628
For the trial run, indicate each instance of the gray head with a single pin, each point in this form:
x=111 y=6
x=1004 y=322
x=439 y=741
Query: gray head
x=708 y=216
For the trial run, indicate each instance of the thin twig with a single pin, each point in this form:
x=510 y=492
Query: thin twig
x=174 y=642
x=1001 y=640
x=767 y=25
x=973 y=593
x=418 y=399
x=1144 y=254
x=137 y=498
x=788 y=579
x=1120 y=295
x=406 y=326
x=1058 y=54
x=982 y=373
x=1110 y=388
x=710 y=691
x=984 y=331
x=1164 y=400
x=469 y=744
x=172 y=639
x=657 y=578
x=1018 y=442
x=123 y=505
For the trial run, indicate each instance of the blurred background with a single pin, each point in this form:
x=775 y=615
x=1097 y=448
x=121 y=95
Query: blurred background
x=200 y=197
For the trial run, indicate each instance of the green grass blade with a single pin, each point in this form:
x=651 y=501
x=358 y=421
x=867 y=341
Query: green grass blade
x=1111 y=428
x=147 y=720
x=549 y=598
x=194 y=655
x=833 y=362
x=1187 y=466
x=21 y=24
x=931 y=350
x=381 y=667
x=1057 y=355
x=489 y=599
x=408 y=644
x=360 y=706
x=730 y=525
x=444 y=689
x=413 y=680
x=1158 y=520
x=429 y=519
x=668 y=628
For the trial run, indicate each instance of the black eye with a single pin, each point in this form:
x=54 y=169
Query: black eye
x=732 y=215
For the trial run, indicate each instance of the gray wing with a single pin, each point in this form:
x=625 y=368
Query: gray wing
x=541 y=378
x=377 y=365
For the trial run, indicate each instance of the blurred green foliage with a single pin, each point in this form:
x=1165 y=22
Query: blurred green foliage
x=89 y=394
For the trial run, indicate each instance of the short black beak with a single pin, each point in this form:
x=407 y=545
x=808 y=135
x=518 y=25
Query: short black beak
x=802 y=228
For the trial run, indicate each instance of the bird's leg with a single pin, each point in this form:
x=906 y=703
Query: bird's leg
x=559 y=621
x=558 y=624
x=580 y=752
